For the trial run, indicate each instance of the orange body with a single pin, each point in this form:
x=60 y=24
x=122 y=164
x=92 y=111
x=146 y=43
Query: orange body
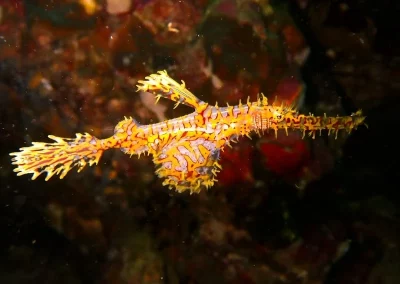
x=185 y=149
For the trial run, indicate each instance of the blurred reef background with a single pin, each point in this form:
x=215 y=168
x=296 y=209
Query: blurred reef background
x=283 y=211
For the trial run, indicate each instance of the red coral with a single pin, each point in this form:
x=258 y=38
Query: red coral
x=237 y=165
x=287 y=156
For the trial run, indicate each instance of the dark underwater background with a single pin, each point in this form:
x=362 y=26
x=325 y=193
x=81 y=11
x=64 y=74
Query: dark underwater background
x=289 y=210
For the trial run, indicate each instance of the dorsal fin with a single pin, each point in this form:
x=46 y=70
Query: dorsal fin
x=164 y=86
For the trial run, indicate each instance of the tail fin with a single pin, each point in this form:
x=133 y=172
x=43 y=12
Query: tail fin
x=59 y=157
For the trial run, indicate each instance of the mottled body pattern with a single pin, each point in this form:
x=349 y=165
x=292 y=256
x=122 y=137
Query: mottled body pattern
x=185 y=150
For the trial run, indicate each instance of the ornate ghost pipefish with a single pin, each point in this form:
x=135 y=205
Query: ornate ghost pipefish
x=186 y=149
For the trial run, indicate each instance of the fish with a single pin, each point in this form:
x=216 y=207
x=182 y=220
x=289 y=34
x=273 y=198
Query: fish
x=185 y=150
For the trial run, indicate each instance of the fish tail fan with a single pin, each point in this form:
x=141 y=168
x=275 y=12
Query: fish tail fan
x=59 y=157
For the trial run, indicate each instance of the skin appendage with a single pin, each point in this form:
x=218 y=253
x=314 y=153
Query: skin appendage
x=185 y=150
